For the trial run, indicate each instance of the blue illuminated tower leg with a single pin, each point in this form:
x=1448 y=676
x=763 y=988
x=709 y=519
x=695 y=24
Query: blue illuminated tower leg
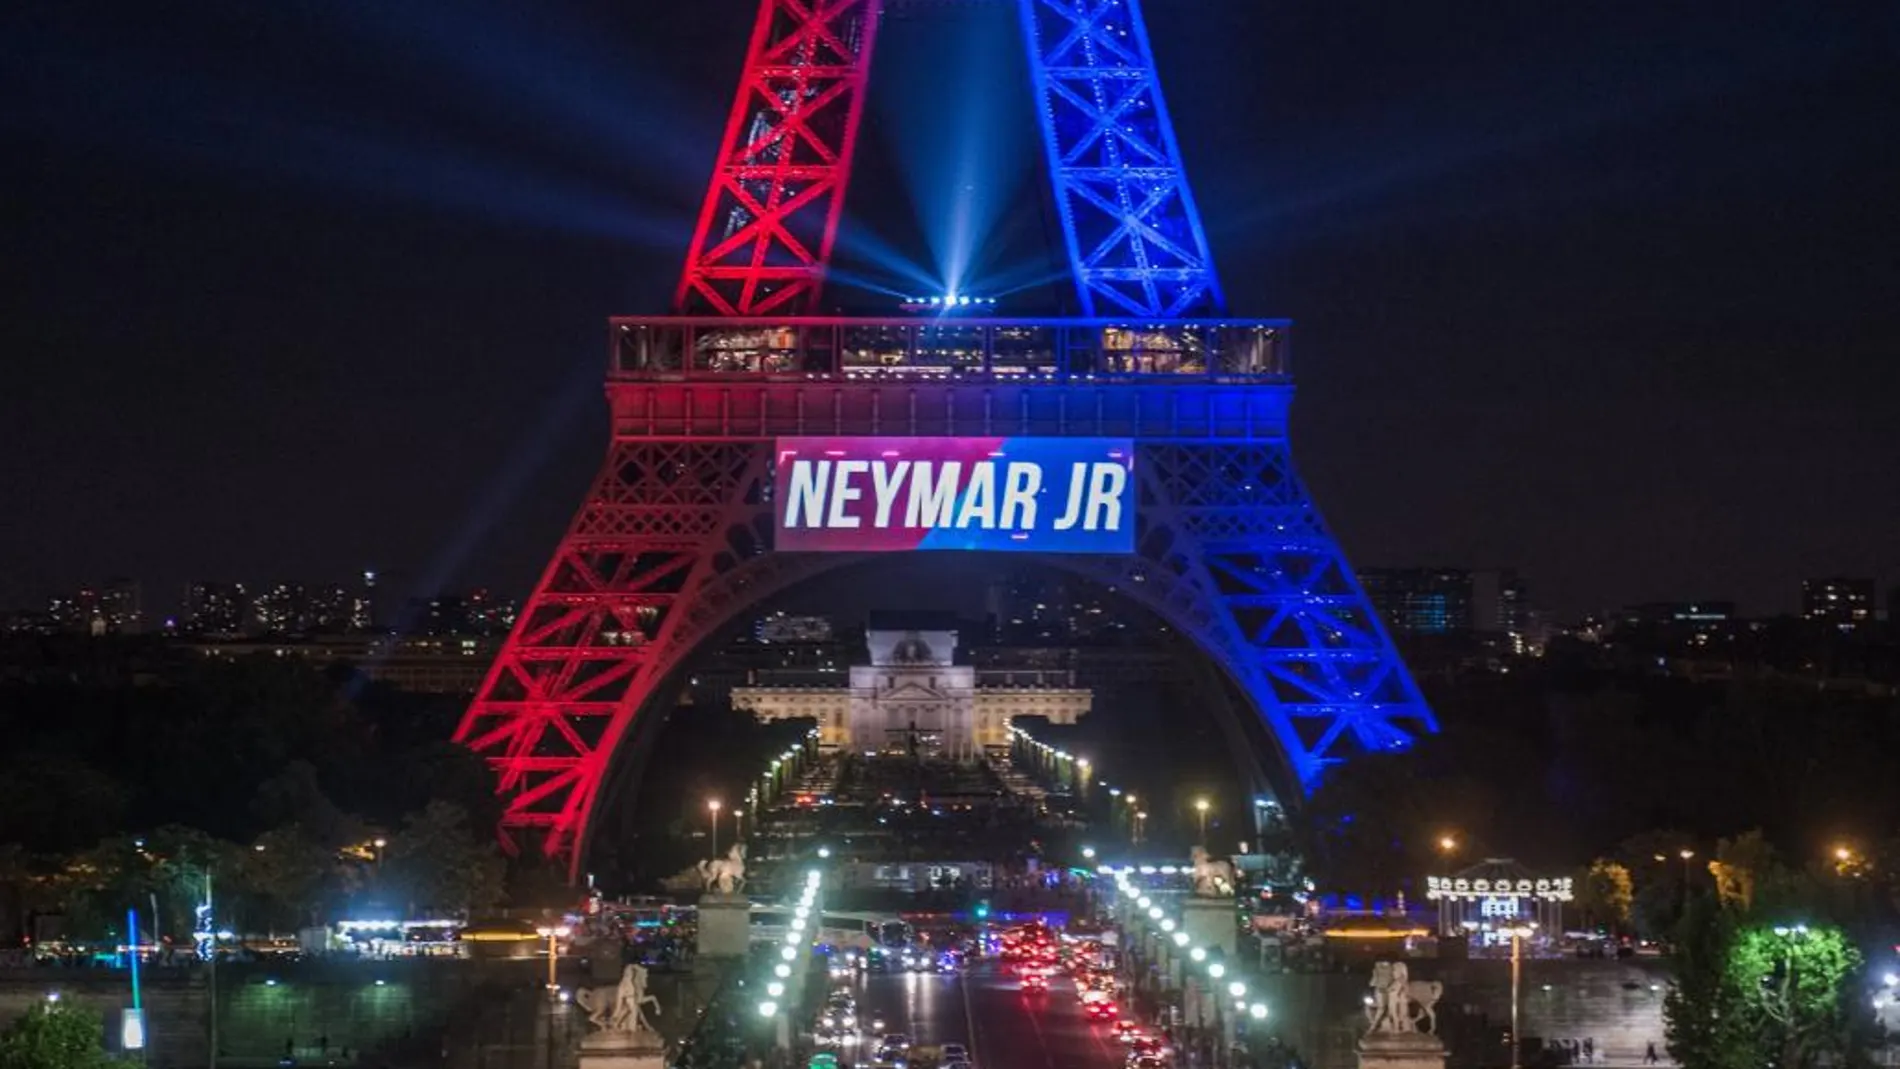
x=1261 y=584
x=1134 y=235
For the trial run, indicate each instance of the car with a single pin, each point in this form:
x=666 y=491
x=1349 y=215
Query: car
x=954 y=1052
x=1126 y=1030
x=1149 y=1061
x=1145 y=1046
x=1035 y=981
x=1100 y=1009
x=894 y=1040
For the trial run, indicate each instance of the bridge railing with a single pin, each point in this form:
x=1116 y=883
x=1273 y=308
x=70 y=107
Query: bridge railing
x=949 y=349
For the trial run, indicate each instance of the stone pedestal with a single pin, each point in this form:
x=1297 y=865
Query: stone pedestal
x=725 y=926
x=1401 y=1050
x=619 y=1050
x=1209 y=922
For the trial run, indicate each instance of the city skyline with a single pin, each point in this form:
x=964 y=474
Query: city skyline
x=1554 y=306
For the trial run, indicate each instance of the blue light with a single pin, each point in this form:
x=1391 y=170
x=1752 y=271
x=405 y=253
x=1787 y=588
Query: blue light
x=1135 y=239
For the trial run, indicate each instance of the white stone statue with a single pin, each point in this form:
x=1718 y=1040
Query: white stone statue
x=1399 y=1003
x=724 y=875
x=616 y=1010
x=1213 y=878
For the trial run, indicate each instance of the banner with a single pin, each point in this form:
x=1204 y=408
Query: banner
x=1039 y=495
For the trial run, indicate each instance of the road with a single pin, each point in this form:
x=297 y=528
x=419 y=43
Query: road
x=1004 y=1027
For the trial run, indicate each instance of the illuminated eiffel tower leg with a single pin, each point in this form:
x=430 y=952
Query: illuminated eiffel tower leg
x=1136 y=246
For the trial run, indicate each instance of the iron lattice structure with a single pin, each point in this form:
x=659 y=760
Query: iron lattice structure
x=674 y=540
x=1135 y=240
x=768 y=222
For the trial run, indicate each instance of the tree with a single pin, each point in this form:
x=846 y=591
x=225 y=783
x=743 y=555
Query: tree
x=53 y=1035
x=1741 y=865
x=289 y=874
x=1604 y=894
x=1702 y=1020
x=1802 y=996
x=439 y=863
x=1752 y=992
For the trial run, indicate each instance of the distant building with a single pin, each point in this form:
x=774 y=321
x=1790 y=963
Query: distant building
x=913 y=697
x=282 y=609
x=214 y=608
x=488 y=614
x=1031 y=607
x=363 y=612
x=1692 y=623
x=332 y=608
x=1500 y=604
x=1842 y=603
x=1426 y=601
x=421 y=664
x=781 y=627
x=111 y=608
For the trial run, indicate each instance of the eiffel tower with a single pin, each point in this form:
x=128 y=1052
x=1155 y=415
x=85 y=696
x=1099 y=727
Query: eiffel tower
x=679 y=535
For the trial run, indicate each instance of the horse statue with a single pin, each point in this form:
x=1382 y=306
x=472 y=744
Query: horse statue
x=724 y=875
x=1213 y=878
x=1399 y=1003
x=616 y=1009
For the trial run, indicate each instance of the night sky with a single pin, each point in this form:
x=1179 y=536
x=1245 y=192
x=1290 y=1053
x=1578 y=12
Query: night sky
x=1606 y=292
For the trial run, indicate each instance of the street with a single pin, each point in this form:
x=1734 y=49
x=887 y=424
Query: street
x=1004 y=1027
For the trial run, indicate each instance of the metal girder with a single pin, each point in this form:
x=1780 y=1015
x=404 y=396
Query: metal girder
x=1229 y=551
x=587 y=651
x=770 y=217
x=1134 y=236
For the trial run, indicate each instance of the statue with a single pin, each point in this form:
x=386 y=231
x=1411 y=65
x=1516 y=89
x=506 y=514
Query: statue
x=615 y=1010
x=724 y=875
x=1398 y=1003
x=1213 y=878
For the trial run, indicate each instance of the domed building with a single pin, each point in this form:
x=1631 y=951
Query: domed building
x=913 y=697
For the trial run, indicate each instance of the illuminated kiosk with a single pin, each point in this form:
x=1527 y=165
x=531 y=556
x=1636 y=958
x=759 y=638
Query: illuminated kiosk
x=1490 y=899
x=756 y=446
x=913 y=696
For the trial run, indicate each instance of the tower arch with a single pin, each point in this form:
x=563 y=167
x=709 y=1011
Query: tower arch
x=678 y=535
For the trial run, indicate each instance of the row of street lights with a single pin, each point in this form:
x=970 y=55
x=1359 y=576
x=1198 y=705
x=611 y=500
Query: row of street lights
x=1145 y=907
x=1138 y=817
x=767 y=789
x=797 y=942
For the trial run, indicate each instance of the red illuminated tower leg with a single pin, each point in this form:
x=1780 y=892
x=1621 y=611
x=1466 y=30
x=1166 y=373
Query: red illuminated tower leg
x=766 y=228
x=596 y=636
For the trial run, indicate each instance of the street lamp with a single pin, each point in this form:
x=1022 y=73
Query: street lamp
x=1141 y=824
x=1200 y=810
x=1685 y=854
x=552 y=935
x=713 y=805
x=1518 y=934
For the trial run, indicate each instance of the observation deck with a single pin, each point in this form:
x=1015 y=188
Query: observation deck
x=745 y=377
x=949 y=347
